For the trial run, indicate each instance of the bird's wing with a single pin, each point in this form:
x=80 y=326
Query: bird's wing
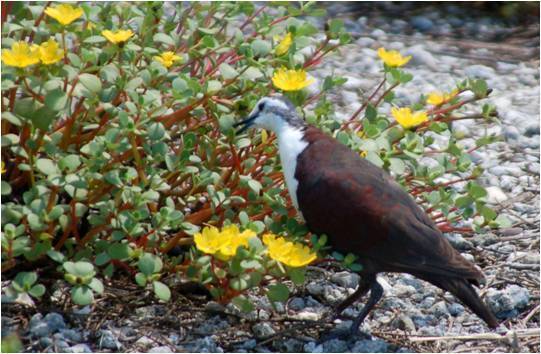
x=364 y=211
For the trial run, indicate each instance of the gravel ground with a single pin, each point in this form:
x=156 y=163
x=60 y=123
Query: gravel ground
x=412 y=312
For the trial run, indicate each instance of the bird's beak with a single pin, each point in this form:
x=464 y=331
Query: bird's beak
x=245 y=124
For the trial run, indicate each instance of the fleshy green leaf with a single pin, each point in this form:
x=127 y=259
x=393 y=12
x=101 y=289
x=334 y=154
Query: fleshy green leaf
x=278 y=292
x=47 y=167
x=91 y=82
x=56 y=99
x=161 y=290
x=37 y=290
x=82 y=295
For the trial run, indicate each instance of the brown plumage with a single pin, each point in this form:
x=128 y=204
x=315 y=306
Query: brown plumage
x=379 y=222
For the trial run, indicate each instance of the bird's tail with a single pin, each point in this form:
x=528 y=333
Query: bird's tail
x=465 y=292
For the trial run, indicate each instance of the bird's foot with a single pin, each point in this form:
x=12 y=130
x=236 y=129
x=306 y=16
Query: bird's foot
x=345 y=334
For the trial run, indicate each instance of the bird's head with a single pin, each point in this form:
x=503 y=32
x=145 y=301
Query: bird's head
x=272 y=113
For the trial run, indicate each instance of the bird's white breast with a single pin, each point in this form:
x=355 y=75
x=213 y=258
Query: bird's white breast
x=291 y=144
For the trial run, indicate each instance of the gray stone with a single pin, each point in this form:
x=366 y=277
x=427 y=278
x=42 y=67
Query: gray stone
x=495 y=195
x=404 y=323
x=410 y=280
x=439 y=309
x=161 y=349
x=422 y=23
x=61 y=346
x=505 y=303
x=511 y=132
x=333 y=294
x=393 y=302
x=398 y=26
x=520 y=296
x=144 y=341
x=108 y=340
x=291 y=345
x=308 y=316
x=213 y=306
x=532 y=130
x=401 y=290
x=365 y=42
x=211 y=325
x=422 y=321
x=83 y=311
x=512 y=170
x=511 y=231
x=335 y=346
x=79 y=348
x=55 y=321
x=524 y=257
x=370 y=346
x=459 y=242
x=40 y=329
x=480 y=71
x=508 y=182
x=378 y=33
x=35 y=319
x=313 y=347
x=455 y=309
x=45 y=341
x=263 y=330
x=422 y=57
x=352 y=83
x=71 y=335
x=316 y=289
x=204 y=345
x=249 y=344
x=297 y=304
x=346 y=279
x=427 y=302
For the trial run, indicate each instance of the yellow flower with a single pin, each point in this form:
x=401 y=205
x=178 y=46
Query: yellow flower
x=284 y=44
x=167 y=58
x=117 y=37
x=363 y=154
x=208 y=241
x=90 y=25
x=291 y=80
x=288 y=253
x=437 y=98
x=64 y=13
x=393 y=58
x=234 y=239
x=223 y=244
x=49 y=52
x=21 y=55
x=407 y=119
x=3 y=168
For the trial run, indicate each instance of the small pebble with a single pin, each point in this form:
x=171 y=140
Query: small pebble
x=263 y=330
x=79 y=348
x=161 y=349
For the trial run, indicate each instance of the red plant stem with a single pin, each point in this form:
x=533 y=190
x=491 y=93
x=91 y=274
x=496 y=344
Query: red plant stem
x=364 y=105
x=123 y=265
x=416 y=191
x=449 y=108
x=6 y=9
x=251 y=18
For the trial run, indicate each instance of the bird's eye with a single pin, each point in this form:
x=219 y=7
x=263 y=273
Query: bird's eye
x=261 y=106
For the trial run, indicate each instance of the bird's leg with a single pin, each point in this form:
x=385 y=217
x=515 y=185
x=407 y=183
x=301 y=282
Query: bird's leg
x=362 y=289
x=365 y=285
x=376 y=292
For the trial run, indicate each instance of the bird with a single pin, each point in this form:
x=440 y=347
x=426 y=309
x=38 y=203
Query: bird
x=364 y=211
